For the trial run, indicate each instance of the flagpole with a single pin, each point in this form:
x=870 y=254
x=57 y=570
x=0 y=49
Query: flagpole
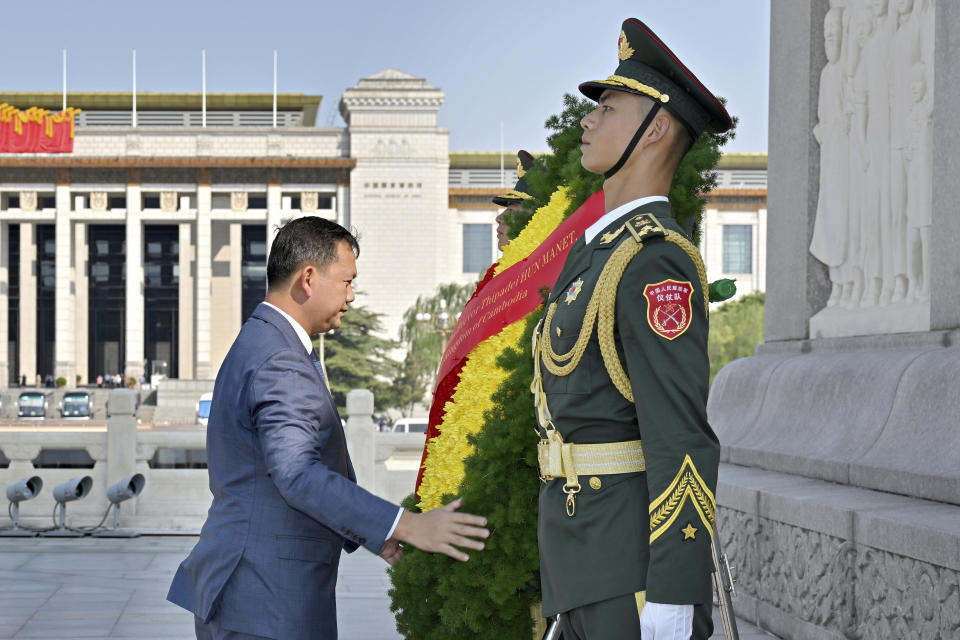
x=203 y=87
x=275 y=62
x=64 y=78
x=134 y=119
x=502 y=177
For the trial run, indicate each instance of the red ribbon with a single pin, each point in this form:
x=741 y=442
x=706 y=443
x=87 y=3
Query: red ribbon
x=503 y=299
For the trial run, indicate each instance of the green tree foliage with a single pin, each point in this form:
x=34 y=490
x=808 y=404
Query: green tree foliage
x=736 y=328
x=437 y=598
x=423 y=332
x=357 y=358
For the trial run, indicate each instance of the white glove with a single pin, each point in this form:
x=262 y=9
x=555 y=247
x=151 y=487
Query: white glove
x=666 y=621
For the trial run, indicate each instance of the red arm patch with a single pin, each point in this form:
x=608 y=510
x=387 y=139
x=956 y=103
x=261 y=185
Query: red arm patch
x=668 y=307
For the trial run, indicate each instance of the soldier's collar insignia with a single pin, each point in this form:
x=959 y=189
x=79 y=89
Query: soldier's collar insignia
x=625 y=51
x=610 y=236
x=689 y=532
x=574 y=290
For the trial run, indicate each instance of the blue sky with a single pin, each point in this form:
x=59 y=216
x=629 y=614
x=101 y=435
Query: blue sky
x=497 y=60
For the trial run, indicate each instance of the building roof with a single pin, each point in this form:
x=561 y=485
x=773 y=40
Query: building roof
x=491 y=160
x=155 y=101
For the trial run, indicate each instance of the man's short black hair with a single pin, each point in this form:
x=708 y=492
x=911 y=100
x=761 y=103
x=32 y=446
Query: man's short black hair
x=310 y=240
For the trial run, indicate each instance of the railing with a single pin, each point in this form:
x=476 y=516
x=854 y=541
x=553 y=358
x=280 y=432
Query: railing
x=176 y=496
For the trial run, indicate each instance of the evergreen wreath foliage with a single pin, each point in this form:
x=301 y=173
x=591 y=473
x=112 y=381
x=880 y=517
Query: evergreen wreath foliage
x=436 y=597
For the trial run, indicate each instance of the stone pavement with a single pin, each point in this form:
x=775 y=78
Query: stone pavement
x=114 y=588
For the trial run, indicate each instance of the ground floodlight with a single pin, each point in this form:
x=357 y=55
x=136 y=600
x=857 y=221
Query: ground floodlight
x=26 y=489
x=129 y=487
x=72 y=489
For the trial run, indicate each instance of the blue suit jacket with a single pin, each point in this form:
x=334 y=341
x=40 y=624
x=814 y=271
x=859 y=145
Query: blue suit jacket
x=285 y=498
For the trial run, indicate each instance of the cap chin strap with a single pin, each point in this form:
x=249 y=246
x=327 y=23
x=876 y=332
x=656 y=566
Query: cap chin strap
x=633 y=142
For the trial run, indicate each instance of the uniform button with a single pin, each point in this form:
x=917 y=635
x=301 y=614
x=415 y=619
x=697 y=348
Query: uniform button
x=595 y=483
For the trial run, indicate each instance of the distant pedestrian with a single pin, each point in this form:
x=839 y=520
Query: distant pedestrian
x=100 y=381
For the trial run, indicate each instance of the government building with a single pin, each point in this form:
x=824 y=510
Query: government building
x=144 y=248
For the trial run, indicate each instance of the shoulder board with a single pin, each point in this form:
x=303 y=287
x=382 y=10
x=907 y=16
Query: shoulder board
x=644 y=226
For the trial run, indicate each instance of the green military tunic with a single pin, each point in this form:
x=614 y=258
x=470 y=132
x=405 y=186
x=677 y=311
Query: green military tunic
x=647 y=531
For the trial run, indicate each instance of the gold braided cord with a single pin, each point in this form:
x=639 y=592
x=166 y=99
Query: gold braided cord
x=603 y=303
x=514 y=194
x=630 y=83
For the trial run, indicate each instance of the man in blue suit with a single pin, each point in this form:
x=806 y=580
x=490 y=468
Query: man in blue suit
x=285 y=498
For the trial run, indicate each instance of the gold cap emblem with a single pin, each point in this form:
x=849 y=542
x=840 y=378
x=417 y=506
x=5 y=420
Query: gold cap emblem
x=625 y=50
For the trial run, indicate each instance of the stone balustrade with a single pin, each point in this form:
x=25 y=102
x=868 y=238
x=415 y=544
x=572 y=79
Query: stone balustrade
x=173 y=462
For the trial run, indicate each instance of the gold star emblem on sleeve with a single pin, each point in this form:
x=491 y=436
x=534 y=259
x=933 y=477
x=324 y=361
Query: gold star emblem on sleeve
x=689 y=532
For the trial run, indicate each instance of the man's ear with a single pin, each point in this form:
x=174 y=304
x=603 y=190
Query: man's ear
x=659 y=128
x=305 y=280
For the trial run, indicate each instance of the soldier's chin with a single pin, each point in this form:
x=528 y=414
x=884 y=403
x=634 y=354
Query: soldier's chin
x=591 y=165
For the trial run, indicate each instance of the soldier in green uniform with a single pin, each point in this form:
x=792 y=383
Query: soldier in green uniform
x=628 y=461
x=513 y=199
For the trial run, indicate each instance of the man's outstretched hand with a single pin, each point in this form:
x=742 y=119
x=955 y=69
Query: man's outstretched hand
x=438 y=531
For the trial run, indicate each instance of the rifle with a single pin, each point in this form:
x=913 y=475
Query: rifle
x=723 y=581
x=553 y=629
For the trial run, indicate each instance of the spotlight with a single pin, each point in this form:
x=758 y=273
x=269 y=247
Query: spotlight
x=26 y=489
x=129 y=487
x=72 y=489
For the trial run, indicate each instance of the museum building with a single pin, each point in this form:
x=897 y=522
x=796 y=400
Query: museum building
x=144 y=249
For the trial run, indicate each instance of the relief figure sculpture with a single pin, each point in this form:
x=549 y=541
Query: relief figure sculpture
x=830 y=231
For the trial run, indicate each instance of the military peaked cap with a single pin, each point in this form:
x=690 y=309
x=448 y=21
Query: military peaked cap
x=520 y=191
x=649 y=68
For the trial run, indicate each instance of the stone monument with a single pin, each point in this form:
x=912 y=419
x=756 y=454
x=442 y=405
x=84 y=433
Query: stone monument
x=840 y=484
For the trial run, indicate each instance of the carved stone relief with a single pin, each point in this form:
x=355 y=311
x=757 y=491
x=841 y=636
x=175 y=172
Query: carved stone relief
x=238 y=201
x=875 y=129
x=28 y=201
x=98 y=201
x=392 y=148
x=309 y=201
x=853 y=591
x=168 y=201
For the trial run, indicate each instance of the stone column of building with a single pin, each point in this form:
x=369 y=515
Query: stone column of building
x=81 y=254
x=343 y=205
x=4 y=301
x=134 y=339
x=202 y=368
x=27 y=340
x=274 y=212
x=236 y=279
x=65 y=364
x=186 y=318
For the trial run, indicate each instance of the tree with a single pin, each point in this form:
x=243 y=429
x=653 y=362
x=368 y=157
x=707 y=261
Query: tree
x=736 y=328
x=424 y=341
x=357 y=358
